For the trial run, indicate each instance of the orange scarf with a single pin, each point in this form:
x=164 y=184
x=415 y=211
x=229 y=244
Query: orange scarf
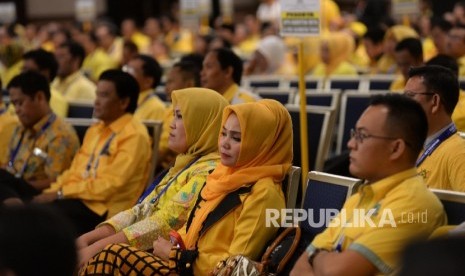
x=265 y=152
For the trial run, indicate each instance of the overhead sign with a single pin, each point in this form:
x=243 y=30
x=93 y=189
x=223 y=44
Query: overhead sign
x=405 y=7
x=86 y=10
x=300 y=17
x=7 y=12
x=190 y=14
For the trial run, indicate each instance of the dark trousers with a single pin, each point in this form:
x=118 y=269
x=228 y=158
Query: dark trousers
x=10 y=186
x=83 y=219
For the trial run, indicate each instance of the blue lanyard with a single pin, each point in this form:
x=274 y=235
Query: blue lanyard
x=157 y=181
x=14 y=153
x=104 y=150
x=434 y=144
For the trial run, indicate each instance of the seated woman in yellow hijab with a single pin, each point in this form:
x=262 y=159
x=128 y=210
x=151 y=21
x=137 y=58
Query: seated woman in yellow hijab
x=167 y=202
x=229 y=218
x=336 y=49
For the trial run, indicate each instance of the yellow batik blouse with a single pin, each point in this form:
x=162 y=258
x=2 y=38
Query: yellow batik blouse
x=55 y=138
x=143 y=223
x=149 y=106
x=110 y=170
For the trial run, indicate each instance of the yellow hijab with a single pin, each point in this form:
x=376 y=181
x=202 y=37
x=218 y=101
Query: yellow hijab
x=266 y=152
x=201 y=110
x=341 y=46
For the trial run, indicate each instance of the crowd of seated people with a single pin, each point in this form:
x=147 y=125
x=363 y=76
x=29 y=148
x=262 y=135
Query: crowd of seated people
x=221 y=146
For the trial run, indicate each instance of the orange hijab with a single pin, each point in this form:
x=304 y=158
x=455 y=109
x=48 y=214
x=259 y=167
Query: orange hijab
x=266 y=152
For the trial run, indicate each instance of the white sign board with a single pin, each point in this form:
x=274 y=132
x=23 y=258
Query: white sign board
x=300 y=17
x=227 y=9
x=7 y=12
x=405 y=7
x=86 y=10
x=190 y=14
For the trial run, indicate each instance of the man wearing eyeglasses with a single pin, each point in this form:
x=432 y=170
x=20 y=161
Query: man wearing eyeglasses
x=442 y=161
x=383 y=149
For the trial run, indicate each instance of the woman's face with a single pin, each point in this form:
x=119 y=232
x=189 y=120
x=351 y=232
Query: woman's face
x=230 y=141
x=177 y=140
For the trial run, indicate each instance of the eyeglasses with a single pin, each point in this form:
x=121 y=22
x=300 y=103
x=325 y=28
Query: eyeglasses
x=359 y=136
x=412 y=94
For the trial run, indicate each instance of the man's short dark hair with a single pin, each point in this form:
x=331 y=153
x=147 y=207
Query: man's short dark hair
x=376 y=35
x=75 y=49
x=440 y=80
x=441 y=23
x=44 y=60
x=445 y=61
x=413 y=46
x=189 y=71
x=126 y=86
x=228 y=58
x=405 y=119
x=151 y=68
x=31 y=83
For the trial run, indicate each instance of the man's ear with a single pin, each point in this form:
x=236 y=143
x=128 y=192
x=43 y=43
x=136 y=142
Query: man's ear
x=125 y=103
x=436 y=103
x=229 y=71
x=40 y=96
x=398 y=148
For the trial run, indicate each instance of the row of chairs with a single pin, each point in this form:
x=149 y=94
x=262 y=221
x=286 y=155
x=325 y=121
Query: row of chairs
x=361 y=83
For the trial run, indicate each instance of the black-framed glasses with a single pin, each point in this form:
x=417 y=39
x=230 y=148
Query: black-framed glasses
x=412 y=94
x=360 y=136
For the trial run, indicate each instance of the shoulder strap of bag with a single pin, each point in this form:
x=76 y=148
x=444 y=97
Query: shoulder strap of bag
x=277 y=242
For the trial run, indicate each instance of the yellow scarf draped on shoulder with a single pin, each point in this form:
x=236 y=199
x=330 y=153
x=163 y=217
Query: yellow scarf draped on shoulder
x=265 y=152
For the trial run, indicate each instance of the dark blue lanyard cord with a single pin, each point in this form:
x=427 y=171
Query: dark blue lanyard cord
x=14 y=153
x=157 y=181
x=435 y=143
x=102 y=152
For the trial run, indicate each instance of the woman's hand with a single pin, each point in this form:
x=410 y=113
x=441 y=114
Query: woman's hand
x=162 y=248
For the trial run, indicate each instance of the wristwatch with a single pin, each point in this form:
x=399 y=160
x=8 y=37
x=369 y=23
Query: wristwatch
x=312 y=254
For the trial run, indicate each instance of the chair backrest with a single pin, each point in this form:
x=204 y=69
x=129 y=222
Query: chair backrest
x=273 y=81
x=343 y=83
x=282 y=95
x=454 y=205
x=352 y=106
x=462 y=83
x=81 y=125
x=325 y=192
x=320 y=127
x=310 y=83
x=154 y=128
x=291 y=186
x=317 y=98
x=379 y=82
x=80 y=109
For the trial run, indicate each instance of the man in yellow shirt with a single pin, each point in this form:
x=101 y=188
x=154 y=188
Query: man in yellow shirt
x=42 y=147
x=408 y=53
x=442 y=162
x=110 y=170
x=96 y=60
x=112 y=44
x=222 y=72
x=370 y=232
x=70 y=81
x=456 y=46
x=45 y=63
x=147 y=72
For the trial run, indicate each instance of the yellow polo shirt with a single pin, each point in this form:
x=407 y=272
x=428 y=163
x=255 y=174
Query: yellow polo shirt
x=234 y=95
x=97 y=62
x=398 y=84
x=75 y=87
x=406 y=207
x=445 y=167
x=115 y=178
x=149 y=106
